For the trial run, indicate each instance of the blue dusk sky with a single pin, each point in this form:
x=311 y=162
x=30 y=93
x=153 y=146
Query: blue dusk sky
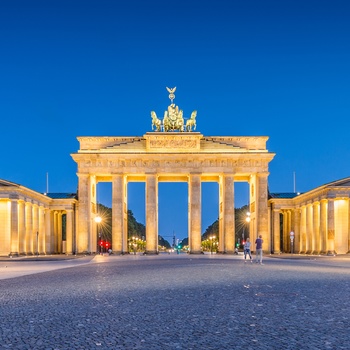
x=250 y=68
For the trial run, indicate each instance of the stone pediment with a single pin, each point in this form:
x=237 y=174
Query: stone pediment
x=4 y=183
x=339 y=183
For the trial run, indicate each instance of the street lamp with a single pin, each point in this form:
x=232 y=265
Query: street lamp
x=211 y=243
x=247 y=219
x=98 y=220
x=133 y=243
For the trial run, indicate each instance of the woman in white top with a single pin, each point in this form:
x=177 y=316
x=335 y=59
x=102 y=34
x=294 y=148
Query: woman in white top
x=247 y=250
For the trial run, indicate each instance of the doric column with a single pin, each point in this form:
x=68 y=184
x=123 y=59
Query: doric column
x=59 y=232
x=14 y=241
x=228 y=214
x=22 y=227
x=262 y=210
x=69 y=231
x=296 y=230
x=36 y=229
x=54 y=232
x=330 y=233
x=194 y=215
x=303 y=242
x=285 y=231
x=48 y=231
x=84 y=214
x=29 y=228
x=42 y=230
x=119 y=214
x=316 y=227
x=309 y=230
x=151 y=214
x=276 y=231
x=323 y=226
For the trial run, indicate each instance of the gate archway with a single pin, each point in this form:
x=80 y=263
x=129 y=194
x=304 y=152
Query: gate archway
x=172 y=157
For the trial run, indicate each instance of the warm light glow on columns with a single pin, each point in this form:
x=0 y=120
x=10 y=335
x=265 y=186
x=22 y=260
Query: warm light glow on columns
x=69 y=231
x=303 y=241
x=296 y=229
x=118 y=214
x=84 y=213
x=285 y=232
x=194 y=215
x=228 y=214
x=35 y=228
x=48 y=230
x=14 y=228
x=54 y=232
x=276 y=231
x=261 y=209
x=330 y=233
x=323 y=226
x=341 y=227
x=22 y=227
x=151 y=214
x=309 y=229
x=29 y=228
x=316 y=227
x=5 y=226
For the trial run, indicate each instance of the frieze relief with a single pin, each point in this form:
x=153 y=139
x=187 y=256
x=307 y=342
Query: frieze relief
x=140 y=163
x=173 y=143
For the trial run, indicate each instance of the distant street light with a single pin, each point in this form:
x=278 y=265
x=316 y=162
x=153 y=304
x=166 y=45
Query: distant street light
x=211 y=243
x=247 y=219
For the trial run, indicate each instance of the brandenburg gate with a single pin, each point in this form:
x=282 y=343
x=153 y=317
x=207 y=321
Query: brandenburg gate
x=173 y=152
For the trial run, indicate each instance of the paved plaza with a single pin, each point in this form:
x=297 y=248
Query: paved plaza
x=174 y=301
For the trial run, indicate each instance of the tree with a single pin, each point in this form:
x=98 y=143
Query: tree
x=135 y=228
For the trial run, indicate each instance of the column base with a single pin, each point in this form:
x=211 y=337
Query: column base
x=196 y=252
x=331 y=252
x=14 y=255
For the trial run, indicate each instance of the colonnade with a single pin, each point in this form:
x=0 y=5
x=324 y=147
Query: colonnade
x=87 y=210
x=320 y=225
x=32 y=223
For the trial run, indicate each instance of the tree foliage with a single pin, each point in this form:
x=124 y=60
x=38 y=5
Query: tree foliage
x=135 y=228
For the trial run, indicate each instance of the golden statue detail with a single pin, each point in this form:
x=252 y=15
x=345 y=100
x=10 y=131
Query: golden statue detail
x=173 y=118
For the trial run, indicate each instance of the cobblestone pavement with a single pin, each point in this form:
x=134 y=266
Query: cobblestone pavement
x=177 y=302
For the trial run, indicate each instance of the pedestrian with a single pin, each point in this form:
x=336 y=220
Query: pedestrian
x=258 y=249
x=247 y=250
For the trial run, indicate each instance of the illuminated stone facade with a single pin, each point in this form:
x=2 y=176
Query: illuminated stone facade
x=319 y=219
x=34 y=223
x=171 y=157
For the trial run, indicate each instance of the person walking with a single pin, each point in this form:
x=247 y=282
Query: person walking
x=247 y=250
x=258 y=249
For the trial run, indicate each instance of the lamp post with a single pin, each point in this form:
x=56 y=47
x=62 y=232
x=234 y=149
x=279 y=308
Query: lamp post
x=211 y=243
x=247 y=221
x=98 y=220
